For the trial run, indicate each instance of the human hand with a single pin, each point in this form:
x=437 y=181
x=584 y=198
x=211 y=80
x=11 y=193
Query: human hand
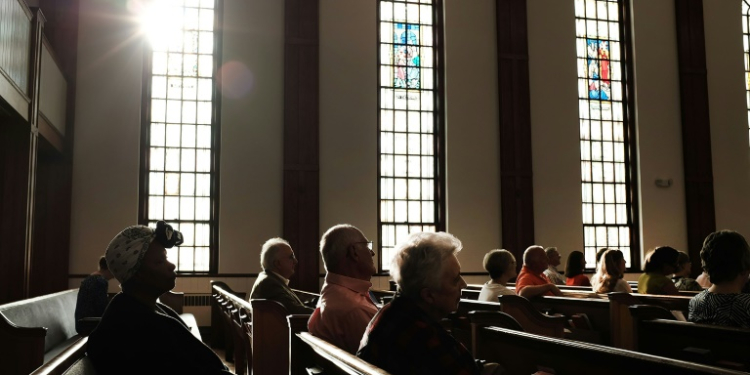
x=492 y=368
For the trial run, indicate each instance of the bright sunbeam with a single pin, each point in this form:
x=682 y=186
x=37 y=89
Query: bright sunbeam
x=162 y=22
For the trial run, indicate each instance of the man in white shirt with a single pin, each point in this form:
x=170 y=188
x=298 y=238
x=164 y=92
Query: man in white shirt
x=554 y=260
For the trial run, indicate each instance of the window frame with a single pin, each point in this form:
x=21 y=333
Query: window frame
x=629 y=139
x=145 y=143
x=438 y=37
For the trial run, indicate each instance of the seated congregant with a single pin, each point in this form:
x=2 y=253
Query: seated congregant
x=681 y=278
x=574 y=267
x=725 y=256
x=406 y=336
x=703 y=280
x=531 y=281
x=501 y=265
x=660 y=263
x=137 y=334
x=553 y=257
x=599 y=255
x=345 y=307
x=278 y=262
x=609 y=274
x=92 y=297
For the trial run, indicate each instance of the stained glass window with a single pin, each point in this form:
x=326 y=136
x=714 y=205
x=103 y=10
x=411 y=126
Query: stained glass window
x=179 y=176
x=608 y=218
x=409 y=129
x=746 y=42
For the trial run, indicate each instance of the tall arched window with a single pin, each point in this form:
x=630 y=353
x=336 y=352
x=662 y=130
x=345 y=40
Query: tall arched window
x=410 y=121
x=180 y=131
x=606 y=130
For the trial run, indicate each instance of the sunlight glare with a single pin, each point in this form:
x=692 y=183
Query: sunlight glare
x=161 y=21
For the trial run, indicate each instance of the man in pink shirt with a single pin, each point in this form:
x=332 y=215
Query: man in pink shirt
x=532 y=281
x=345 y=307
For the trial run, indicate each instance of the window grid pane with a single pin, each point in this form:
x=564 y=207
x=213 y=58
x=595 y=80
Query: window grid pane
x=746 y=45
x=607 y=214
x=180 y=172
x=407 y=155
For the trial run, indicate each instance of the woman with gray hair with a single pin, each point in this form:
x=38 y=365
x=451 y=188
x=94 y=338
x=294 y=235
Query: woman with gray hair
x=501 y=265
x=405 y=336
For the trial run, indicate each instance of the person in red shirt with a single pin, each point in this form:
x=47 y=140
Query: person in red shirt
x=532 y=281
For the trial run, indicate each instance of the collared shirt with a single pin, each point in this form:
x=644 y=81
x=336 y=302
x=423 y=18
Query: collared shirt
x=490 y=291
x=403 y=339
x=526 y=278
x=343 y=311
x=284 y=279
x=554 y=276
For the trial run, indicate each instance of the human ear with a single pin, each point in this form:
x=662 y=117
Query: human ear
x=426 y=295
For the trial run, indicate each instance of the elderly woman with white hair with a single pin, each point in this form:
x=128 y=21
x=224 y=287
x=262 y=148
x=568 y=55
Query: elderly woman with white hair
x=405 y=336
x=137 y=334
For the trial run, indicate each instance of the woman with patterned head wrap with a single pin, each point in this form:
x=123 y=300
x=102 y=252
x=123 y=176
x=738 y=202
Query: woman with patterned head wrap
x=137 y=334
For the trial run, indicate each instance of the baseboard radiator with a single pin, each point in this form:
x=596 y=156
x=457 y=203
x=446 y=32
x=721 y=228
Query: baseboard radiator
x=197 y=299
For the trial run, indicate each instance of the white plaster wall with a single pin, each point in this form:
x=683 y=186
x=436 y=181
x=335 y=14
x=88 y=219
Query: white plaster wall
x=472 y=131
x=251 y=134
x=107 y=136
x=659 y=127
x=107 y=131
x=556 y=154
x=554 y=117
x=728 y=114
x=348 y=116
x=105 y=175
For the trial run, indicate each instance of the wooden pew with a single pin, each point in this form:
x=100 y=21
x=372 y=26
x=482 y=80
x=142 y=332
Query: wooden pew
x=35 y=330
x=235 y=314
x=622 y=326
x=220 y=334
x=319 y=355
x=527 y=353
x=607 y=316
x=271 y=336
x=176 y=301
x=656 y=332
x=72 y=360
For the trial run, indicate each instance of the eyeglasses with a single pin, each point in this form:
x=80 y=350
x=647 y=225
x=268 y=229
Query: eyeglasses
x=369 y=244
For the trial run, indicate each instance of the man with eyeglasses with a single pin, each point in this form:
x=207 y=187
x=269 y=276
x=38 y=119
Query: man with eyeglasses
x=345 y=307
x=278 y=262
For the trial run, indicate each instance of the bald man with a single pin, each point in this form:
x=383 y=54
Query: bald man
x=532 y=281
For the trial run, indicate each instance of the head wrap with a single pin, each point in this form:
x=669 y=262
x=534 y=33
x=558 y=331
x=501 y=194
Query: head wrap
x=125 y=252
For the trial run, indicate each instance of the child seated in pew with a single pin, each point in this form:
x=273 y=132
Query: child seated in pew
x=609 y=273
x=574 y=267
x=725 y=256
x=659 y=263
x=501 y=264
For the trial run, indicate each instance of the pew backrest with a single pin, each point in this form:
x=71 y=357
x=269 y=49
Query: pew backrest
x=71 y=361
x=526 y=353
x=271 y=337
x=332 y=360
x=32 y=331
x=703 y=343
x=531 y=319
